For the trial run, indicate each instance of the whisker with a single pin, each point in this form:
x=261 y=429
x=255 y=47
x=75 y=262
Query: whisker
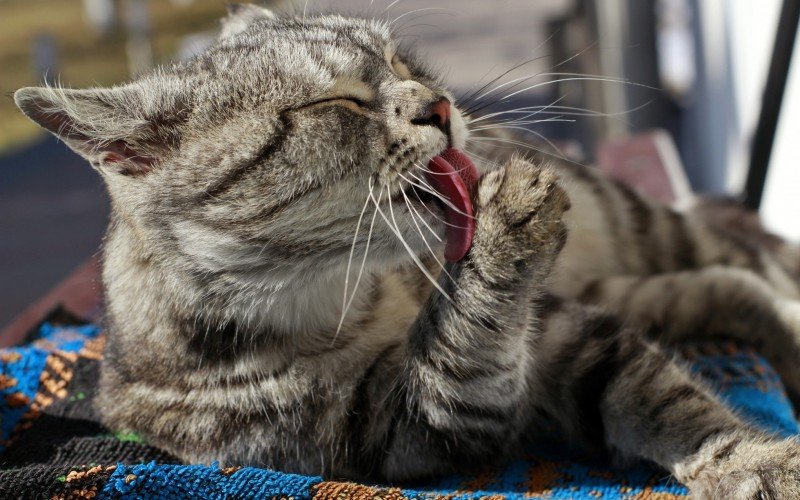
x=514 y=84
x=413 y=211
x=573 y=77
x=554 y=67
x=420 y=167
x=465 y=98
x=580 y=78
x=515 y=125
x=411 y=253
x=558 y=117
x=560 y=155
x=435 y=193
x=482 y=158
x=350 y=263
x=393 y=21
x=469 y=97
x=434 y=215
x=395 y=2
x=576 y=55
x=407 y=25
x=411 y=207
x=361 y=269
x=568 y=111
x=511 y=82
x=535 y=110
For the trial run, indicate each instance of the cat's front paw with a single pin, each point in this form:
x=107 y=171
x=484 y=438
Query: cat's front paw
x=753 y=471
x=519 y=218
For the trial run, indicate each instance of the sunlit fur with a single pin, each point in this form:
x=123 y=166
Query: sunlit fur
x=276 y=294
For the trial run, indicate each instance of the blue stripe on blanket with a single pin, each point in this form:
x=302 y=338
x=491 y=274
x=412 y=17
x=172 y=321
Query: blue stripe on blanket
x=550 y=469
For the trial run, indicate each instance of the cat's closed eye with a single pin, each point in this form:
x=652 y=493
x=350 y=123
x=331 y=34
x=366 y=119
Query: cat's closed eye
x=400 y=68
x=350 y=102
x=349 y=92
x=340 y=100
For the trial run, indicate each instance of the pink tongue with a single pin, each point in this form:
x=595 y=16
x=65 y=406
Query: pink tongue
x=454 y=176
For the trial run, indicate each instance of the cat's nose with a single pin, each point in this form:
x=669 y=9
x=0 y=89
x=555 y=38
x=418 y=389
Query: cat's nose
x=437 y=114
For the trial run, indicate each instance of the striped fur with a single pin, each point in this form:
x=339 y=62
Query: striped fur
x=237 y=182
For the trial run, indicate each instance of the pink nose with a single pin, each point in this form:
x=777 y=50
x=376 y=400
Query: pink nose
x=436 y=114
x=439 y=112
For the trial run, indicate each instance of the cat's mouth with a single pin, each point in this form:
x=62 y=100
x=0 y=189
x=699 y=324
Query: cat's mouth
x=454 y=178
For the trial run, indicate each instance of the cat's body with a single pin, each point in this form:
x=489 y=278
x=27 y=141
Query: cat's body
x=237 y=183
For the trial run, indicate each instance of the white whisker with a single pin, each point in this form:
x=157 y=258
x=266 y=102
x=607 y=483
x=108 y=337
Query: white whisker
x=470 y=97
x=484 y=159
x=560 y=154
x=411 y=207
x=411 y=253
x=534 y=109
x=514 y=125
x=413 y=211
x=427 y=187
x=437 y=195
x=395 y=2
x=433 y=214
x=420 y=167
x=350 y=263
x=439 y=9
x=406 y=25
x=560 y=110
x=575 y=79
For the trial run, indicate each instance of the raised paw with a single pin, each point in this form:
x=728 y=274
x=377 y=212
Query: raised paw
x=757 y=471
x=519 y=217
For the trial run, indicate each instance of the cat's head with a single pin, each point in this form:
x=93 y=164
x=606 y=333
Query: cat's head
x=259 y=154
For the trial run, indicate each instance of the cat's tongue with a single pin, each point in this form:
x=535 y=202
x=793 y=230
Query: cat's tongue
x=453 y=175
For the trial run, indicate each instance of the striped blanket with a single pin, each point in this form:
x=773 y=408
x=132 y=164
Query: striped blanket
x=52 y=446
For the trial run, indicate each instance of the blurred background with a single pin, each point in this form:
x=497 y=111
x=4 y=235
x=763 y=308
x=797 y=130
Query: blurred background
x=602 y=72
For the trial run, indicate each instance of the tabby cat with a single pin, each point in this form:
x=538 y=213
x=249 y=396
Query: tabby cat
x=303 y=160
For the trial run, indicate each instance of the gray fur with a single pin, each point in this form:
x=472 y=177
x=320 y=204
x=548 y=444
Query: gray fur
x=238 y=180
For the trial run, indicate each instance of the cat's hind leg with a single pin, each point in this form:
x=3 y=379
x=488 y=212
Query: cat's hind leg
x=716 y=301
x=603 y=381
x=615 y=231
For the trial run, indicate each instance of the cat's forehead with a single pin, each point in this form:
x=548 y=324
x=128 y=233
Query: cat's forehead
x=288 y=62
x=332 y=37
x=321 y=47
x=366 y=34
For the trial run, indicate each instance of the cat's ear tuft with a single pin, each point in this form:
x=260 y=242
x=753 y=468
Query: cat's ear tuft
x=241 y=16
x=99 y=124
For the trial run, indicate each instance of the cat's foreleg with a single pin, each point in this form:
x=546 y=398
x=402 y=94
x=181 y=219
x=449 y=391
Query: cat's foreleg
x=464 y=389
x=603 y=382
x=712 y=302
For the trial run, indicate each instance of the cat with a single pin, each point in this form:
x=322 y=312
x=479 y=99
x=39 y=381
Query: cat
x=294 y=165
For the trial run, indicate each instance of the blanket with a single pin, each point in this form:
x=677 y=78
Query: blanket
x=53 y=446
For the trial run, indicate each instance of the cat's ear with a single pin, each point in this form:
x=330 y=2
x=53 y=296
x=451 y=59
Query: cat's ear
x=240 y=16
x=105 y=126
